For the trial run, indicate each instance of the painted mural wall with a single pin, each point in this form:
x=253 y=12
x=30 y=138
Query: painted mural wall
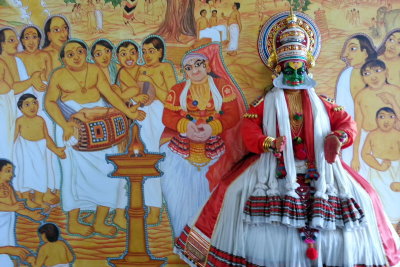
x=110 y=141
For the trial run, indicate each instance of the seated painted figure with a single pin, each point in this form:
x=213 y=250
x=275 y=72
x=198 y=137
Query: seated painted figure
x=293 y=203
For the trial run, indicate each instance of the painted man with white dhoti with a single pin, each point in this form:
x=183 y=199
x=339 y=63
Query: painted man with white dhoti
x=7 y=112
x=36 y=60
x=13 y=73
x=234 y=27
x=204 y=30
x=86 y=185
x=214 y=24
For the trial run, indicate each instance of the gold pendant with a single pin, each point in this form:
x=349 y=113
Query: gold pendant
x=83 y=90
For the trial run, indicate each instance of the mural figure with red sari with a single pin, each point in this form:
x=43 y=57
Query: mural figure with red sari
x=198 y=115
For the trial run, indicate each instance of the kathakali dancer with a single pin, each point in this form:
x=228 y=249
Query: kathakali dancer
x=293 y=203
x=199 y=115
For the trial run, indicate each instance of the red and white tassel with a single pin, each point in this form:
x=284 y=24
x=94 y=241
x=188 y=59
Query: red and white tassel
x=312 y=252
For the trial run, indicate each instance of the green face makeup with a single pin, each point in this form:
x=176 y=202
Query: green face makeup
x=294 y=73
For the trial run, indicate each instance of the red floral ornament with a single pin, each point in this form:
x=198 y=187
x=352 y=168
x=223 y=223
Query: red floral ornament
x=300 y=151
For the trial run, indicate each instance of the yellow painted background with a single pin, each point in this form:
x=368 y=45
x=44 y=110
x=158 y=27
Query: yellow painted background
x=245 y=67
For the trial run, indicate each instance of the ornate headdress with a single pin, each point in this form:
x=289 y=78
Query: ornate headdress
x=289 y=37
x=191 y=56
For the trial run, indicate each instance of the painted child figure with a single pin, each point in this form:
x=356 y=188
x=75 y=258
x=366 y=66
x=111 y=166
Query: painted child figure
x=381 y=151
x=127 y=76
x=32 y=154
x=54 y=252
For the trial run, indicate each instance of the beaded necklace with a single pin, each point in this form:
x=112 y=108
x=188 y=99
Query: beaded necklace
x=295 y=106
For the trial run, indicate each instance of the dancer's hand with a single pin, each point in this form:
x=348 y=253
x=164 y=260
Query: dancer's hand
x=279 y=143
x=192 y=131
x=331 y=148
x=204 y=132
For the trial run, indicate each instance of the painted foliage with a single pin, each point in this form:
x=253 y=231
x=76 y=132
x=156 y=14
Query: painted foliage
x=76 y=75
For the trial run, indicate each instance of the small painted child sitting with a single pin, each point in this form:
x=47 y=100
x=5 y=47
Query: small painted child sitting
x=54 y=252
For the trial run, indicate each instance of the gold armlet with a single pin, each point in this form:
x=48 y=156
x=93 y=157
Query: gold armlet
x=216 y=127
x=250 y=116
x=182 y=125
x=267 y=144
x=172 y=107
x=229 y=98
x=338 y=108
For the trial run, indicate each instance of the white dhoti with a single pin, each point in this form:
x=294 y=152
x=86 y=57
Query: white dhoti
x=210 y=33
x=150 y=133
x=381 y=181
x=99 y=19
x=33 y=166
x=23 y=75
x=223 y=31
x=8 y=112
x=85 y=175
x=185 y=188
x=54 y=180
x=233 y=37
x=7 y=234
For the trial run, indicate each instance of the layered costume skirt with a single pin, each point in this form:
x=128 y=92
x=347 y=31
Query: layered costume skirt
x=225 y=236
